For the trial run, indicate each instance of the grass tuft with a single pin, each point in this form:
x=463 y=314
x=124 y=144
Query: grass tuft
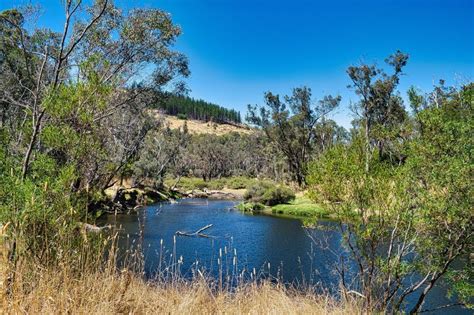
x=301 y=207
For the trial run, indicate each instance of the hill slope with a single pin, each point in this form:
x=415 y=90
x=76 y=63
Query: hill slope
x=202 y=127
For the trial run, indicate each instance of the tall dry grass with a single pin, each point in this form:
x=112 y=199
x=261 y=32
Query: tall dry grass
x=57 y=292
x=83 y=283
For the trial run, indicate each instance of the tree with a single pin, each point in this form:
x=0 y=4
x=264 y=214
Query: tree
x=73 y=113
x=404 y=224
x=290 y=125
x=90 y=66
x=162 y=151
x=378 y=108
x=439 y=173
x=328 y=133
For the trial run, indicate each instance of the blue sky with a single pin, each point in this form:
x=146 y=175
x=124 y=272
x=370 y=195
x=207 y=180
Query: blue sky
x=240 y=49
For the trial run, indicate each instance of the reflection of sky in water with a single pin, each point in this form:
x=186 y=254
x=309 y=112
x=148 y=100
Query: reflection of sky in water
x=258 y=240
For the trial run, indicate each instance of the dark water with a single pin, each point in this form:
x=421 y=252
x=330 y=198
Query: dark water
x=275 y=246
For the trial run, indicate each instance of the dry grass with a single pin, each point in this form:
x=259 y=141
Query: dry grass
x=201 y=127
x=90 y=285
x=104 y=293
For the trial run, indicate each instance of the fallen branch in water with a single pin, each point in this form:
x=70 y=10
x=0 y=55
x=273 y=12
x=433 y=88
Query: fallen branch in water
x=197 y=233
x=93 y=228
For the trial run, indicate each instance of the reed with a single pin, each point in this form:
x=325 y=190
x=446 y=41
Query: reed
x=111 y=281
x=58 y=291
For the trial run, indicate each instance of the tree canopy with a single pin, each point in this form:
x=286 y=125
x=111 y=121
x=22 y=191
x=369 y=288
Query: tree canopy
x=291 y=125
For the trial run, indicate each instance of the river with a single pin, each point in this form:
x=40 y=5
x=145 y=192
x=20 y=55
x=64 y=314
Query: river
x=272 y=246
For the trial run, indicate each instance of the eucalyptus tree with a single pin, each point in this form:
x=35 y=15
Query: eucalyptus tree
x=162 y=151
x=405 y=225
x=290 y=125
x=87 y=77
x=379 y=108
x=329 y=133
x=74 y=111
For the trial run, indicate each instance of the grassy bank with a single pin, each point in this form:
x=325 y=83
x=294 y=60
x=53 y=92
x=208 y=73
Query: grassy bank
x=300 y=207
x=58 y=292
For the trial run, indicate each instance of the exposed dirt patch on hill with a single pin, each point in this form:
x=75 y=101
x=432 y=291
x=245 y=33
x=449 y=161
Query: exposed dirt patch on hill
x=202 y=127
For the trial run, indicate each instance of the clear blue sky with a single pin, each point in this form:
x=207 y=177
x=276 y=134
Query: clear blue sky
x=240 y=49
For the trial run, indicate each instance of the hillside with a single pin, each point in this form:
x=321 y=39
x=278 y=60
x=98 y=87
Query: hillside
x=202 y=127
x=187 y=107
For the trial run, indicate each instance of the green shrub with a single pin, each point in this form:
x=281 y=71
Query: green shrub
x=239 y=182
x=278 y=195
x=250 y=207
x=216 y=184
x=182 y=116
x=269 y=194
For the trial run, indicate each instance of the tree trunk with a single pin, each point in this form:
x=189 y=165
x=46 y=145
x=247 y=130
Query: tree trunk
x=367 y=145
x=26 y=160
x=422 y=297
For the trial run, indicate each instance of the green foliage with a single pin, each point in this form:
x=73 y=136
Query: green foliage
x=439 y=172
x=410 y=218
x=41 y=210
x=380 y=109
x=301 y=207
x=250 y=207
x=269 y=194
x=182 y=116
x=71 y=121
x=290 y=124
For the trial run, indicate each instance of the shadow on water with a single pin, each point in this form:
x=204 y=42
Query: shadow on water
x=262 y=245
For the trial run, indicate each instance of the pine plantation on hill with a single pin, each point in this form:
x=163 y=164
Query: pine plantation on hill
x=185 y=107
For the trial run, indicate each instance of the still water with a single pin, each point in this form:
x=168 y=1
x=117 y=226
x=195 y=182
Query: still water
x=274 y=246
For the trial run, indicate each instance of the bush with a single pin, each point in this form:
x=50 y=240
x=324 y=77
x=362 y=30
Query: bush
x=182 y=116
x=191 y=183
x=216 y=184
x=239 y=182
x=278 y=195
x=269 y=194
x=250 y=207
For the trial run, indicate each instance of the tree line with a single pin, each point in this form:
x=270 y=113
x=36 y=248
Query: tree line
x=187 y=107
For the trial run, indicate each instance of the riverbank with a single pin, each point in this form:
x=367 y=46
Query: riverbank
x=125 y=197
x=235 y=188
x=58 y=292
x=301 y=208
